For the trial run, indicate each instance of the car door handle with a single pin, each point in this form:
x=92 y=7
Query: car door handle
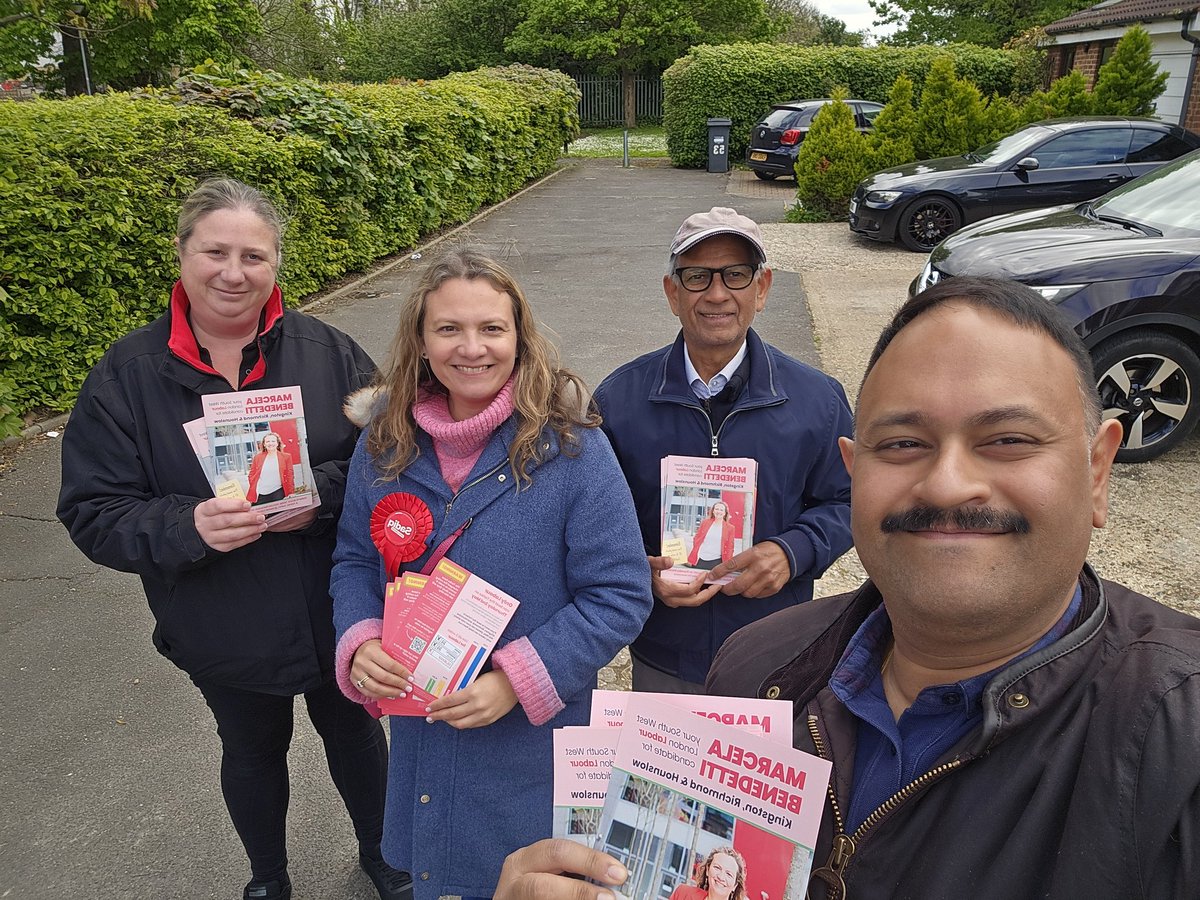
x=1114 y=179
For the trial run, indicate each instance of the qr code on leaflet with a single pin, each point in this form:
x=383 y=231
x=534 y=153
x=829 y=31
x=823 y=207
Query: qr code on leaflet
x=417 y=645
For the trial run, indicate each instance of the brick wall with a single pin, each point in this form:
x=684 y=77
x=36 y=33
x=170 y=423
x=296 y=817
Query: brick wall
x=1054 y=63
x=1191 y=117
x=1087 y=61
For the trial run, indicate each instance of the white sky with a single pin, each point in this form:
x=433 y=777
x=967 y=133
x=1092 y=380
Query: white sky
x=857 y=14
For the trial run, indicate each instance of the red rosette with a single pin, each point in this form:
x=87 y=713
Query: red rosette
x=400 y=526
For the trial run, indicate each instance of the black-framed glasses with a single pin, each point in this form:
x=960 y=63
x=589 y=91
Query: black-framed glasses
x=698 y=278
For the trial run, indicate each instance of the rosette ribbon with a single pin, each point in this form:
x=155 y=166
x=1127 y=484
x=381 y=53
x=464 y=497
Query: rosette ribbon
x=400 y=526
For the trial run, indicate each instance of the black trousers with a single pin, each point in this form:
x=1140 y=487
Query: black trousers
x=256 y=730
x=267 y=498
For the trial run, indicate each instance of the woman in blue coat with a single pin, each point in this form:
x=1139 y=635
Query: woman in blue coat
x=475 y=423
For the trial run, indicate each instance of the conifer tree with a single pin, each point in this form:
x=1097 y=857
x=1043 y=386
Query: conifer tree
x=1130 y=82
x=892 y=139
x=1003 y=118
x=834 y=158
x=950 y=118
x=1068 y=96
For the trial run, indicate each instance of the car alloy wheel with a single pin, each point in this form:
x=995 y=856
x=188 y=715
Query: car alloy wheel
x=927 y=222
x=1148 y=380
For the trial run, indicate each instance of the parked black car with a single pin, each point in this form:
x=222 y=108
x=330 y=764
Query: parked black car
x=1052 y=162
x=775 y=140
x=1126 y=270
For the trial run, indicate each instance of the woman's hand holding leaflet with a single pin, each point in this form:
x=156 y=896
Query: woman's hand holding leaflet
x=481 y=703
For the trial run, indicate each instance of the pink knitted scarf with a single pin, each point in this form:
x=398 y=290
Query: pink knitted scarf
x=458 y=445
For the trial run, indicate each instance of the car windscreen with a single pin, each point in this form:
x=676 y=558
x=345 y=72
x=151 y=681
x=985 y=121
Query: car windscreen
x=1165 y=199
x=790 y=118
x=1009 y=147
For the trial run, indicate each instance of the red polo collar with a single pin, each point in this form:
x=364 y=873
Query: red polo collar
x=183 y=341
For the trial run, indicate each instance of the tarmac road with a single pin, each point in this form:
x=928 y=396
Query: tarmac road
x=110 y=758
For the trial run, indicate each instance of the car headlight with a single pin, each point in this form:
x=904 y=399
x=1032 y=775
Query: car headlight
x=883 y=196
x=929 y=276
x=1057 y=292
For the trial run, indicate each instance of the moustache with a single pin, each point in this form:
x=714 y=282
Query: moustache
x=972 y=518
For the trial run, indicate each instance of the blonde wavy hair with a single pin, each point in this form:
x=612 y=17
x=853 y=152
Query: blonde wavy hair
x=545 y=395
x=739 y=889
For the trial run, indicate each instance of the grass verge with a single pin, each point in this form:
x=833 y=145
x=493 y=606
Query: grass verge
x=605 y=143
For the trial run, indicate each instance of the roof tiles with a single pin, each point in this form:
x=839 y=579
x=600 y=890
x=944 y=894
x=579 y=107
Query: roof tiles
x=1123 y=12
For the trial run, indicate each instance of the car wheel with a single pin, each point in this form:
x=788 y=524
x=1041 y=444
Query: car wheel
x=1148 y=380
x=927 y=222
x=765 y=176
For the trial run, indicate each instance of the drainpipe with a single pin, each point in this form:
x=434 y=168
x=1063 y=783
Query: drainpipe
x=1195 y=42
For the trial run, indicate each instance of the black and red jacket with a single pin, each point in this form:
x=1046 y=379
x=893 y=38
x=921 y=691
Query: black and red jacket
x=258 y=617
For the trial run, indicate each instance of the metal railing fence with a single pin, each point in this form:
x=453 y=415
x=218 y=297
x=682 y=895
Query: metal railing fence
x=601 y=103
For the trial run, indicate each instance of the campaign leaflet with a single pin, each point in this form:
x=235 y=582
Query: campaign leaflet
x=224 y=486
x=258 y=444
x=707 y=513
x=583 y=759
x=398 y=599
x=770 y=718
x=583 y=756
x=683 y=786
x=451 y=626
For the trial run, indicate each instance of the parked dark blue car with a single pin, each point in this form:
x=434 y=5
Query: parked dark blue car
x=1126 y=270
x=775 y=140
x=1052 y=162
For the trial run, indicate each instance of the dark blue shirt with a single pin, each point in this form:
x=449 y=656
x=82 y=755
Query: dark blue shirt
x=890 y=754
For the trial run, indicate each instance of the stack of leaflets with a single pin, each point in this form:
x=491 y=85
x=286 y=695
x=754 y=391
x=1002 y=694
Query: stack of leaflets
x=442 y=627
x=661 y=781
x=254 y=443
x=707 y=513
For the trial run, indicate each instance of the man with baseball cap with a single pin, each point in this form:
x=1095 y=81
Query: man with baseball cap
x=721 y=391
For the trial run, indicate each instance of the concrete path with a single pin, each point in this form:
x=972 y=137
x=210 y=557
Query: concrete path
x=109 y=772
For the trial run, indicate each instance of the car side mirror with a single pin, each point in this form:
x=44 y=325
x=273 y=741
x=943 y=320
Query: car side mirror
x=1028 y=164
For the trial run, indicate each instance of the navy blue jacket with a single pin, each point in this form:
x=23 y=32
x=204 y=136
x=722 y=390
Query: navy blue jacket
x=788 y=418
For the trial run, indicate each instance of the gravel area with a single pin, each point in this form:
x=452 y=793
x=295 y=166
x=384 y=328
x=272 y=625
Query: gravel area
x=1152 y=542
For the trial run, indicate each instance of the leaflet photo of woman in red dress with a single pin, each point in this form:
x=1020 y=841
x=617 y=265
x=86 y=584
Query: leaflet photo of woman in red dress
x=272 y=471
x=713 y=543
x=722 y=877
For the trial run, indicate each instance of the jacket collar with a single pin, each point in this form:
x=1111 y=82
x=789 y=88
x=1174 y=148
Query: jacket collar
x=764 y=388
x=1042 y=684
x=807 y=674
x=184 y=346
x=493 y=462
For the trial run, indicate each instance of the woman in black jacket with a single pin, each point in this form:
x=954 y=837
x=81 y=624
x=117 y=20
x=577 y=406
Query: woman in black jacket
x=241 y=605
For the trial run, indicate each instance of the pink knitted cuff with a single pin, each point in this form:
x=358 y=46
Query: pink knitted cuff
x=356 y=635
x=530 y=680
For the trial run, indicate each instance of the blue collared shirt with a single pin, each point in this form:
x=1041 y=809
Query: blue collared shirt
x=704 y=390
x=890 y=754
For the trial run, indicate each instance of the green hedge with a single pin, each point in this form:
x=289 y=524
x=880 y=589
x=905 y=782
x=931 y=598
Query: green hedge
x=742 y=81
x=89 y=191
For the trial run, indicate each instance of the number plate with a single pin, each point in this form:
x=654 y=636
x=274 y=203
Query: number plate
x=853 y=207
x=758 y=157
